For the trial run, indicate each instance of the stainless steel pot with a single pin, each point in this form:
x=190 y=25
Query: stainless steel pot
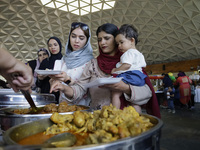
x=8 y=120
x=149 y=140
x=8 y=99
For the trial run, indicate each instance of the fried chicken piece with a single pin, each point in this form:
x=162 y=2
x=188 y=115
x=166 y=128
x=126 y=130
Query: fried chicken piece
x=113 y=129
x=79 y=119
x=63 y=107
x=72 y=108
x=123 y=131
x=135 y=129
x=52 y=130
x=106 y=111
x=58 y=118
x=100 y=136
x=50 y=108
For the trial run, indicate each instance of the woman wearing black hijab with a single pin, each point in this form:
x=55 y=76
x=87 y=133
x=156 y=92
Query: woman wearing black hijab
x=55 y=48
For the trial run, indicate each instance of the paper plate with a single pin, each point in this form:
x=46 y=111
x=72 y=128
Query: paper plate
x=48 y=72
x=102 y=81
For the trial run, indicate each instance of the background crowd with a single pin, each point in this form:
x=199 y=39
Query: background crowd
x=182 y=88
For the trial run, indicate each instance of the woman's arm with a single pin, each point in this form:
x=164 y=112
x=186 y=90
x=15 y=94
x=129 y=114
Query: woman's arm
x=139 y=94
x=135 y=94
x=120 y=86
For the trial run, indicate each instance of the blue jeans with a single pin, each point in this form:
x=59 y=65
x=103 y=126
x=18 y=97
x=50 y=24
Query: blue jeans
x=170 y=103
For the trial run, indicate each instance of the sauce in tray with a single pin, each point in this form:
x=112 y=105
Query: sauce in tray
x=35 y=139
x=40 y=138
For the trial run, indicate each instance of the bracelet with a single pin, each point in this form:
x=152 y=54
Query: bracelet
x=68 y=81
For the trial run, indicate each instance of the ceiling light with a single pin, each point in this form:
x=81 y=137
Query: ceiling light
x=80 y=7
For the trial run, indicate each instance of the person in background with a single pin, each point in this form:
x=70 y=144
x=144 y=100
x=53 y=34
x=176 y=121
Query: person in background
x=55 y=48
x=101 y=67
x=170 y=99
x=18 y=75
x=42 y=54
x=177 y=96
x=191 y=102
x=183 y=82
x=78 y=53
x=131 y=62
x=167 y=82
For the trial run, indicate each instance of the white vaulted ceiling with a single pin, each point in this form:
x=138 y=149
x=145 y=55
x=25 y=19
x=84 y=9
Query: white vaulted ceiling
x=169 y=30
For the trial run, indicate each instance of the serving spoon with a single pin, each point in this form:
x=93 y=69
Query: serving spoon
x=30 y=101
x=61 y=140
x=27 y=95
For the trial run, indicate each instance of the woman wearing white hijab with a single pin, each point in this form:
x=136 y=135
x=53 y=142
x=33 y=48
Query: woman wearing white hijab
x=78 y=53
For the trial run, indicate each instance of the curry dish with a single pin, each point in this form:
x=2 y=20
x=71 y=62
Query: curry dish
x=51 y=108
x=106 y=125
x=101 y=126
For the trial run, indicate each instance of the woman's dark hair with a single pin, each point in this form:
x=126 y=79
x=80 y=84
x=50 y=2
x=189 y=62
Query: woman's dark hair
x=108 y=28
x=84 y=27
x=166 y=75
x=129 y=31
x=181 y=74
x=57 y=39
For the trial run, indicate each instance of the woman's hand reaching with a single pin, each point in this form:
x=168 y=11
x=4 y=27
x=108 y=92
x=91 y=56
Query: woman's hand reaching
x=57 y=85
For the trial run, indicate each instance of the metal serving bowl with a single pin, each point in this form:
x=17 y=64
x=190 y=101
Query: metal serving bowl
x=149 y=140
x=8 y=119
x=9 y=100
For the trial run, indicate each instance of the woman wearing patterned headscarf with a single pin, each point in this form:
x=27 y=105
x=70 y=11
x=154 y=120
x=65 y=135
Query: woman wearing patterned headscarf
x=78 y=52
x=35 y=64
x=55 y=48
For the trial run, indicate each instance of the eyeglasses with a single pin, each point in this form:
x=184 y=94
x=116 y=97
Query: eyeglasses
x=79 y=24
x=44 y=54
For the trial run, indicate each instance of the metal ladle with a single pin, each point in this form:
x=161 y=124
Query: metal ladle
x=27 y=95
x=30 y=100
x=61 y=140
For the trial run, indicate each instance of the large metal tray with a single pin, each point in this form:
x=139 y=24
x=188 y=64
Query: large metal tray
x=149 y=140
